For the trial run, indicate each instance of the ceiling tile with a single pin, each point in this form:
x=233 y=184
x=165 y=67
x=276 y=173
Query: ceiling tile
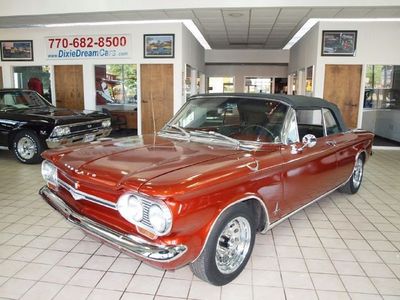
x=201 y=12
x=153 y=15
x=323 y=12
x=383 y=13
x=353 y=12
x=180 y=14
x=264 y=12
x=293 y=12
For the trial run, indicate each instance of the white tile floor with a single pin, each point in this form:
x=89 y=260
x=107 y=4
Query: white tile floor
x=343 y=247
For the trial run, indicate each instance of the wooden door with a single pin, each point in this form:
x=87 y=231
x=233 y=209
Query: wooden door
x=342 y=87
x=69 y=86
x=157 y=95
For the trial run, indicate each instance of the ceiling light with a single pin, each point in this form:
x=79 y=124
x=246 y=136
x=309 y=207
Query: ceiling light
x=235 y=14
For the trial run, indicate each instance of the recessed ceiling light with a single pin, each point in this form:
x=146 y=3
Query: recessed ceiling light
x=235 y=14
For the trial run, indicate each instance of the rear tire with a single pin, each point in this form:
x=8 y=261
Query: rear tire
x=353 y=185
x=27 y=147
x=228 y=247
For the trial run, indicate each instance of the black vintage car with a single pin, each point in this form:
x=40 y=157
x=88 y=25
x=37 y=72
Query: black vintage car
x=29 y=124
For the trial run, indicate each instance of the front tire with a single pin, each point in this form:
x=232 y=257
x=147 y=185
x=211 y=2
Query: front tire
x=353 y=185
x=27 y=147
x=228 y=247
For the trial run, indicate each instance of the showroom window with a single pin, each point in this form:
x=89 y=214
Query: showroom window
x=381 y=113
x=221 y=85
x=35 y=78
x=116 y=86
x=382 y=87
x=257 y=84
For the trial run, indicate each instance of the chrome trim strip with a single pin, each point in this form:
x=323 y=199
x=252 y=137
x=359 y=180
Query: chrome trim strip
x=284 y=218
x=53 y=142
x=129 y=243
x=79 y=195
x=266 y=228
x=84 y=123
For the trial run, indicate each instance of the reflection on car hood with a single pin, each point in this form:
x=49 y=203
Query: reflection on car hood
x=133 y=161
x=59 y=115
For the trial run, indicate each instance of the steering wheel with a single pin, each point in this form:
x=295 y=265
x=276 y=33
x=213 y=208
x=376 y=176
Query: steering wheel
x=263 y=129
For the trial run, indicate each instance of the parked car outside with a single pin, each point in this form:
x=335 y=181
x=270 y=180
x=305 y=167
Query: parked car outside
x=224 y=168
x=29 y=124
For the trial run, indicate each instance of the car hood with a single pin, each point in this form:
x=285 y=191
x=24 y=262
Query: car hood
x=131 y=162
x=60 y=116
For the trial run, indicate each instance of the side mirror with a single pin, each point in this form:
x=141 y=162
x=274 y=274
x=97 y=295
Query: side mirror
x=309 y=141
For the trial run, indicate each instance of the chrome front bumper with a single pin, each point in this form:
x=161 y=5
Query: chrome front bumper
x=68 y=140
x=131 y=244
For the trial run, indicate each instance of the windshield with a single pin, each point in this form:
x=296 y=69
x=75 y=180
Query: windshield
x=231 y=118
x=21 y=100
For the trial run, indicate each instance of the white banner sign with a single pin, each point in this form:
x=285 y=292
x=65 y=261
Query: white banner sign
x=89 y=46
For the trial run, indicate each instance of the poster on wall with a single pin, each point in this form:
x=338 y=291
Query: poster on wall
x=88 y=46
x=16 y=50
x=339 y=43
x=159 y=45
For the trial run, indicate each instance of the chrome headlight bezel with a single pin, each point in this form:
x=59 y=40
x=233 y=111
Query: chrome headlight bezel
x=49 y=173
x=131 y=208
x=106 y=123
x=166 y=218
x=147 y=203
x=60 y=131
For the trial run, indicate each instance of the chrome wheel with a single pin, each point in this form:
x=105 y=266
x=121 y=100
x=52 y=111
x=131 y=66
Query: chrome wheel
x=358 y=173
x=26 y=148
x=233 y=245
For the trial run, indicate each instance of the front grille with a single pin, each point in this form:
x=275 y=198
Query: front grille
x=80 y=195
x=146 y=208
x=85 y=127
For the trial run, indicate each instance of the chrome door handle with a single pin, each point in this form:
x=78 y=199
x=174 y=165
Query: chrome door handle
x=331 y=143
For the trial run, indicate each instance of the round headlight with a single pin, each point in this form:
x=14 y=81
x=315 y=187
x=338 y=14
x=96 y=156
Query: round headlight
x=106 y=123
x=66 y=131
x=60 y=131
x=49 y=172
x=131 y=208
x=157 y=218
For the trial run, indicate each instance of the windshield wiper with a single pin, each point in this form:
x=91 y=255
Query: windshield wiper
x=185 y=133
x=218 y=135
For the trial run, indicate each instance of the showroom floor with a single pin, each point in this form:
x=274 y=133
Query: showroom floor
x=343 y=247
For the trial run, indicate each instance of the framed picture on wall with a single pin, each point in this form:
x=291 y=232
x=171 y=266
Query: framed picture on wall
x=159 y=45
x=16 y=50
x=339 y=43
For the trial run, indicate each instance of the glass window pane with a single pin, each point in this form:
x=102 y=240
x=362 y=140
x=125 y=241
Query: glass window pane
x=116 y=85
x=330 y=122
x=221 y=85
x=310 y=122
x=35 y=78
x=257 y=84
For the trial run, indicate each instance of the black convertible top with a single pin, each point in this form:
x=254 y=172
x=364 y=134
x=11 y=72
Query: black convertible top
x=295 y=101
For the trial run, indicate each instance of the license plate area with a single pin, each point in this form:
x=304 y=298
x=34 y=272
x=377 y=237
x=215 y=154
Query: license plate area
x=89 y=137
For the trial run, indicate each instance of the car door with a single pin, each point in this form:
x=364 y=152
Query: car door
x=307 y=173
x=345 y=153
x=3 y=130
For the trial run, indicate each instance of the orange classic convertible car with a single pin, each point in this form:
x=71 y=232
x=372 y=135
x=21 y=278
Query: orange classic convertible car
x=224 y=168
